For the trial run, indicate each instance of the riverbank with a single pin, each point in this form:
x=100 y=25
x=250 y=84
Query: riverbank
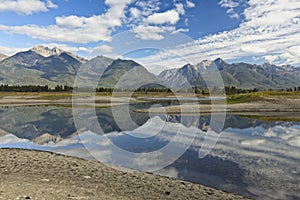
x=64 y=99
x=268 y=106
x=29 y=174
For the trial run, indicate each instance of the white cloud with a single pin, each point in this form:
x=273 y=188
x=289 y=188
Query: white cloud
x=70 y=21
x=270 y=58
x=117 y=2
x=153 y=26
x=67 y=47
x=50 y=4
x=260 y=35
x=104 y=49
x=190 y=4
x=26 y=7
x=181 y=30
x=148 y=7
x=151 y=32
x=170 y=16
x=294 y=50
x=167 y=17
x=77 y=29
x=230 y=5
x=140 y=10
x=144 y=16
x=135 y=12
x=180 y=9
x=9 y=51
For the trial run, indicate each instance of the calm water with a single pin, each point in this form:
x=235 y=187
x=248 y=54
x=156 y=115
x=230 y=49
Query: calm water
x=259 y=159
x=183 y=98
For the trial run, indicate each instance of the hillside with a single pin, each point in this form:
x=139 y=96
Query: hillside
x=44 y=66
x=109 y=73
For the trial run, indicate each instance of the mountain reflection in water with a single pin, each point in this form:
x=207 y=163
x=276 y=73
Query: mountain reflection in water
x=260 y=159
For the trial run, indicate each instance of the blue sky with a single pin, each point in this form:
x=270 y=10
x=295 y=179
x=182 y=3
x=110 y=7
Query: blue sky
x=158 y=33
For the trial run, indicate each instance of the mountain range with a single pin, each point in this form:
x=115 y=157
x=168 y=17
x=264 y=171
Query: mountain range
x=241 y=75
x=45 y=66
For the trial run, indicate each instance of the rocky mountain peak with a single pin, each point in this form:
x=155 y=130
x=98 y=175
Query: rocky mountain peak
x=46 y=51
x=220 y=63
x=268 y=65
x=242 y=75
x=189 y=67
x=273 y=67
x=205 y=63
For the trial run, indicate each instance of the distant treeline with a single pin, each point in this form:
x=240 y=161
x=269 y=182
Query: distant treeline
x=233 y=90
x=64 y=88
x=34 y=88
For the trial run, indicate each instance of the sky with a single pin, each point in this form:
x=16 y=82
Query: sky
x=157 y=33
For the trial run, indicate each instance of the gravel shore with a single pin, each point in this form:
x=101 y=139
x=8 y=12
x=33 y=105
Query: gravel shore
x=29 y=174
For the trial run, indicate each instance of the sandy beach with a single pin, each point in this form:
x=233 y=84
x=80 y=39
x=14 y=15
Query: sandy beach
x=29 y=174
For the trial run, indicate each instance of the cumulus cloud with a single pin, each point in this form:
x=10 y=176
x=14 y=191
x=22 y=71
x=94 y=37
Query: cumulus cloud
x=26 y=7
x=135 y=12
x=155 y=25
x=170 y=16
x=143 y=17
x=50 y=4
x=230 y=5
x=190 y=4
x=71 y=21
x=77 y=29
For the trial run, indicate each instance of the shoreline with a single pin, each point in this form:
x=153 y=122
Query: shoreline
x=270 y=107
x=266 y=104
x=39 y=174
x=64 y=101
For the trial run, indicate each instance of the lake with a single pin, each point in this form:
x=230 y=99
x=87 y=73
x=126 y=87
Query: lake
x=251 y=157
x=183 y=98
